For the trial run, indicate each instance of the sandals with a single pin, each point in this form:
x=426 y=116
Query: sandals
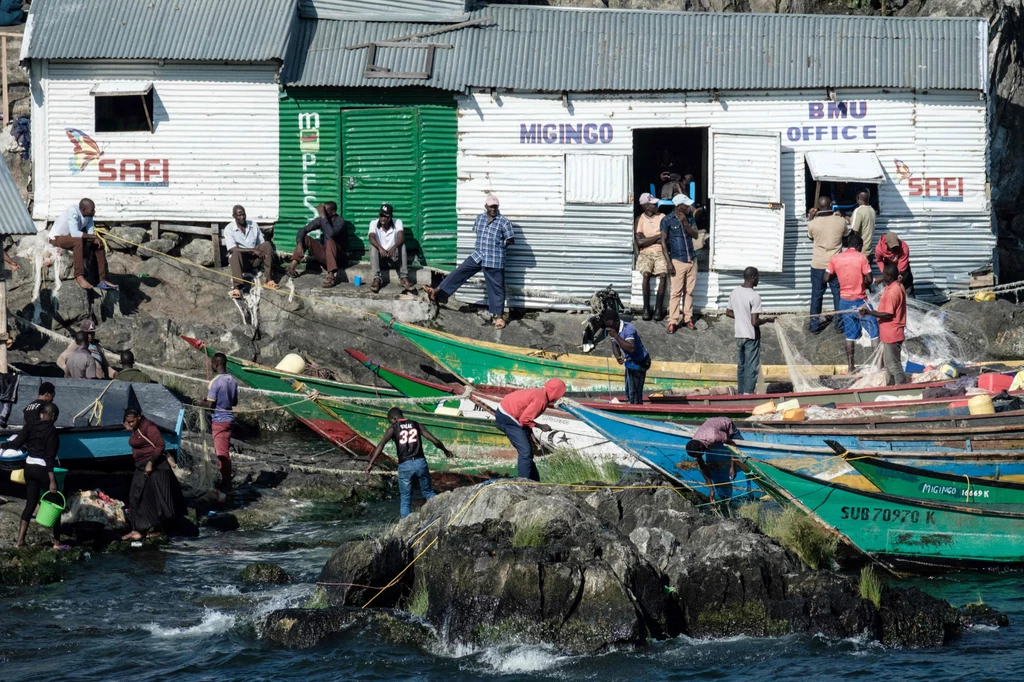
x=236 y=293
x=272 y=285
x=430 y=292
x=291 y=271
x=107 y=286
x=500 y=323
x=376 y=285
x=329 y=280
x=407 y=285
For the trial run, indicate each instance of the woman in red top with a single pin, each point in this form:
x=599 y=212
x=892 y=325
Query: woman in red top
x=155 y=497
x=892 y=320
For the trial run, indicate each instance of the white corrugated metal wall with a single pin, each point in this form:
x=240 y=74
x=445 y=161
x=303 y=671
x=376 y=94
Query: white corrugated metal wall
x=515 y=146
x=216 y=126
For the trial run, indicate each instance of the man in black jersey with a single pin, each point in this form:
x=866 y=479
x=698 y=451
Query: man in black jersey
x=408 y=436
x=46 y=395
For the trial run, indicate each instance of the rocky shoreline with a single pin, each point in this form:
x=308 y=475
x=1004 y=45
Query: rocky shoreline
x=588 y=571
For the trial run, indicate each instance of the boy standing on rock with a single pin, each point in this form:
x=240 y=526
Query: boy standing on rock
x=408 y=436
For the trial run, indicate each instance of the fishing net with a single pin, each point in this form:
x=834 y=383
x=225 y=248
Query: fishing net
x=933 y=337
x=197 y=455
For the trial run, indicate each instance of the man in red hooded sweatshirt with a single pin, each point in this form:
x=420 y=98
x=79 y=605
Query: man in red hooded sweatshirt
x=517 y=415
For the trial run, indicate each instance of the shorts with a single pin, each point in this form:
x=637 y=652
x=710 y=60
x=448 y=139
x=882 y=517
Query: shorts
x=651 y=262
x=854 y=323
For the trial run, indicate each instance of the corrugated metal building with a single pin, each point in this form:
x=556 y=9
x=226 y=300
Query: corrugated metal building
x=568 y=115
x=157 y=110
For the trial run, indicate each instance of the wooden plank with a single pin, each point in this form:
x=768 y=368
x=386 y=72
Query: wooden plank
x=7 y=104
x=154 y=230
x=215 y=233
x=3 y=310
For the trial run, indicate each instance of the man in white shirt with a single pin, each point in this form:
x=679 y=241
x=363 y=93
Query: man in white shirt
x=246 y=246
x=387 y=248
x=74 y=231
x=863 y=222
x=745 y=308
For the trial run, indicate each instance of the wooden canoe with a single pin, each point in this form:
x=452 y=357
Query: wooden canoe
x=920 y=535
x=920 y=484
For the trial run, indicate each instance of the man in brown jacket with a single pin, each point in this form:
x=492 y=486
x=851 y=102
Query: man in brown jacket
x=826 y=230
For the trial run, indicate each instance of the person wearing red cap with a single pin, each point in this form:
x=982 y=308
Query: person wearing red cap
x=387 y=248
x=517 y=415
x=494 y=234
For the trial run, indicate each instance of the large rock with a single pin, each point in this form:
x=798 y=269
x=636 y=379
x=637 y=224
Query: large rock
x=199 y=251
x=510 y=563
x=135 y=235
x=154 y=246
x=305 y=628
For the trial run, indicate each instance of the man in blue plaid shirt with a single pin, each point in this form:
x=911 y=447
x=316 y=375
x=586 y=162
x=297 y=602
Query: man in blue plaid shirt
x=493 y=234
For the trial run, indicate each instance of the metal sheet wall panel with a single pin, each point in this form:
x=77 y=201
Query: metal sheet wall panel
x=311 y=173
x=883 y=123
x=525 y=185
x=14 y=217
x=597 y=178
x=744 y=235
x=559 y=261
x=216 y=152
x=745 y=165
x=582 y=50
x=195 y=30
x=382 y=10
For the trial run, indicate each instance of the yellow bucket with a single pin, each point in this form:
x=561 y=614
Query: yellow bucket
x=981 y=404
x=292 y=363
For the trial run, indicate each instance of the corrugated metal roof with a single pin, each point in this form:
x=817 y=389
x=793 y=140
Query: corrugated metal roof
x=581 y=50
x=14 y=217
x=195 y=30
x=384 y=10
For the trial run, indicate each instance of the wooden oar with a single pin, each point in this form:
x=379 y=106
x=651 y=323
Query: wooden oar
x=837 y=448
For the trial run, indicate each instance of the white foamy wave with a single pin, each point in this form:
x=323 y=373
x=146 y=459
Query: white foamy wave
x=214 y=622
x=226 y=591
x=521 y=659
x=982 y=627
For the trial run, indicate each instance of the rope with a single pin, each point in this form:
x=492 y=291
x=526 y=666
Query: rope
x=95 y=408
x=995 y=289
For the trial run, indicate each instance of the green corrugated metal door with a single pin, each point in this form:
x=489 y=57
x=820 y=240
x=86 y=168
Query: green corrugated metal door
x=438 y=151
x=380 y=164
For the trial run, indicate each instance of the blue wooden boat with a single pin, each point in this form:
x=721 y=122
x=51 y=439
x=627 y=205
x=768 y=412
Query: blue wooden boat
x=92 y=435
x=662 y=446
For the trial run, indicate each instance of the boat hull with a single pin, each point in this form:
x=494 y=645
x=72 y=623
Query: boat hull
x=919 y=484
x=923 y=535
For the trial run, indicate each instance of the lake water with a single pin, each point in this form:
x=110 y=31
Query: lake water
x=179 y=613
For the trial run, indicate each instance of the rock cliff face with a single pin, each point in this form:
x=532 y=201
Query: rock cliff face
x=511 y=563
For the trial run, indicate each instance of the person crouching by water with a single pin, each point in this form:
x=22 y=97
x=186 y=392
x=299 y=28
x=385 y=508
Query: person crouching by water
x=408 y=436
x=39 y=437
x=714 y=431
x=155 y=497
x=516 y=416
x=629 y=350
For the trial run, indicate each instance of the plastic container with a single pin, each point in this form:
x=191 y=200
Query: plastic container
x=787 y=405
x=914 y=367
x=995 y=383
x=764 y=408
x=357 y=280
x=49 y=512
x=18 y=476
x=58 y=475
x=981 y=404
x=448 y=411
x=292 y=363
x=950 y=371
x=796 y=415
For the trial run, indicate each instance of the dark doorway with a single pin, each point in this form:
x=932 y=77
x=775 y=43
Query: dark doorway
x=679 y=151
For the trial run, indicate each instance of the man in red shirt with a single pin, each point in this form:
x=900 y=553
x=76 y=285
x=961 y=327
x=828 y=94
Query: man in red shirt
x=851 y=268
x=892 y=249
x=892 y=317
x=516 y=416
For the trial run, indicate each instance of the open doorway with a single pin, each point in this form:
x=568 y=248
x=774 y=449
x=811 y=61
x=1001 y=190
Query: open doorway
x=673 y=154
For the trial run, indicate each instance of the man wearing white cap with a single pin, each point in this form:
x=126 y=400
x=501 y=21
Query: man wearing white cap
x=493 y=234
x=677 y=233
x=649 y=259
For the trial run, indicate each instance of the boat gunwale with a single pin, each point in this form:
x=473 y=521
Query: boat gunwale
x=915 y=471
x=895 y=499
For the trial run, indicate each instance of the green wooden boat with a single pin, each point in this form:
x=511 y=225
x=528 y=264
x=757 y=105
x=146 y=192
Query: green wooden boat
x=921 y=484
x=479 y=446
x=492 y=364
x=917 y=534
x=265 y=378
